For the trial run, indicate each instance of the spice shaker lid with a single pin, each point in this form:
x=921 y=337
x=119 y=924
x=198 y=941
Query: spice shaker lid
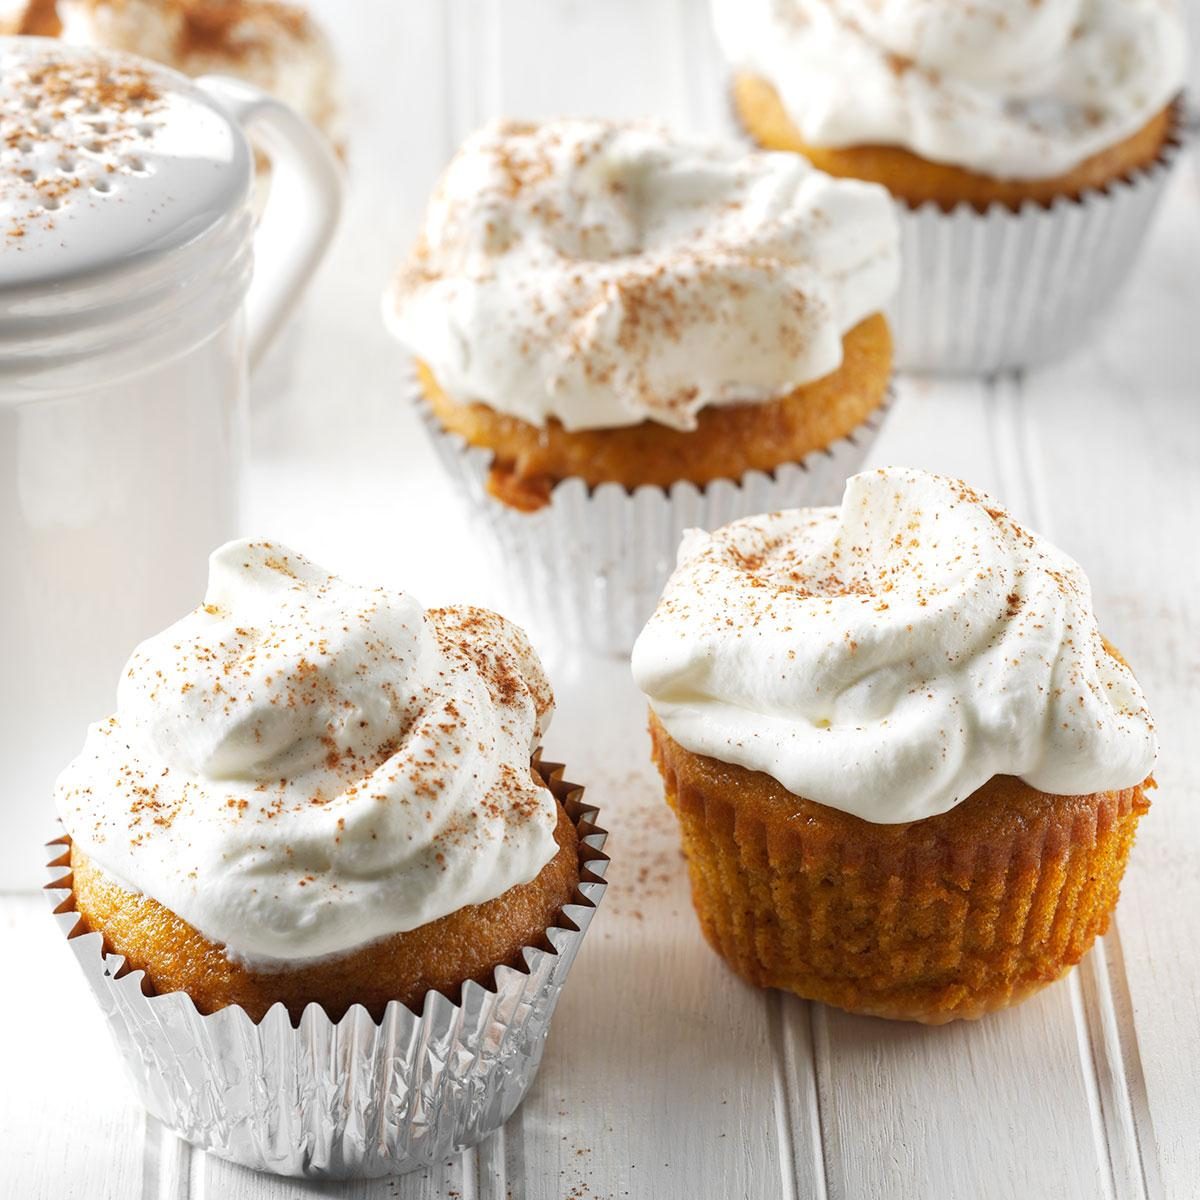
x=124 y=193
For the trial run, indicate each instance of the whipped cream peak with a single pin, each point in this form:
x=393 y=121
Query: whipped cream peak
x=889 y=657
x=283 y=670
x=603 y=274
x=1007 y=88
x=302 y=765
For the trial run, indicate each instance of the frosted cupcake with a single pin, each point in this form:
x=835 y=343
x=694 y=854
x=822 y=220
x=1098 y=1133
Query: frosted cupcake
x=1026 y=145
x=907 y=767
x=618 y=334
x=318 y=814
x=275 y=46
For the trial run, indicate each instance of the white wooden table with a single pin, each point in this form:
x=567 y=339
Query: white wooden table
x=665 y=1077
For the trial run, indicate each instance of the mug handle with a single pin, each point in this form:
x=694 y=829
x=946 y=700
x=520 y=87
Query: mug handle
x=301 y=213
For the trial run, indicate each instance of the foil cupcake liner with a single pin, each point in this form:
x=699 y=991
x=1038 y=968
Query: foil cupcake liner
x=1003 y=289
x=588 y=568
x=351 y=1098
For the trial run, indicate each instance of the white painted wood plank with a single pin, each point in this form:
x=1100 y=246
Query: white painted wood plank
x=991 y=1109
x=72 y=1128
x=166 y=1163
x=798 y=1109
x=939 y=425
x=340 y=463
x=1113 y=443
x=1111 y=1072
x=1106 y=1016
x=622 y=58
x=658 y=1076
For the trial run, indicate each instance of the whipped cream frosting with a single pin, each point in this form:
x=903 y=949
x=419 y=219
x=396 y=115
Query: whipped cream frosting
x=303 y=765
x=275 y=46
x=890 y=656
x=606 y=274
x=1019 y=89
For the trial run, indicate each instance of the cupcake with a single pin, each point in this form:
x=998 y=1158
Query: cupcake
x=907 y=768
x=275 y=46
x=1026 y=145
x=316 y=837
x=618 y=335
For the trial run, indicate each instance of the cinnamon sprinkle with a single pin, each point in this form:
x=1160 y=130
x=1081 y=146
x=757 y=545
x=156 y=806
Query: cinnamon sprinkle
x=93 y=108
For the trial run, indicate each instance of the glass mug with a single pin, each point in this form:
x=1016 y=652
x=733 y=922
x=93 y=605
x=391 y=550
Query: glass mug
x=136 y=291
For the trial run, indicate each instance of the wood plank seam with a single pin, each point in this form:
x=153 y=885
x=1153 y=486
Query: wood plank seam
x=166 y=1162
x=819 y=1053
x=1102 y=980
x=197 y=1174
x=1120 y=1000
x=510 y=1158
x=152 y=1149
x=1092 y=1075
x=491 y=1172
x=782 y=1079
x=469 y=1188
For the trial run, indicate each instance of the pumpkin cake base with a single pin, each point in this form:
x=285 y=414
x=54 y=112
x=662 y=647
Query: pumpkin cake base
x=917 y=180
x=951 y=917
x=728 y=440
x=439 y=956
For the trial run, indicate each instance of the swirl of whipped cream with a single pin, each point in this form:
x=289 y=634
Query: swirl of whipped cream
x=302 y=765
x=275 y=46
x=606 y=274
x=890 y=656
x=1019 y=89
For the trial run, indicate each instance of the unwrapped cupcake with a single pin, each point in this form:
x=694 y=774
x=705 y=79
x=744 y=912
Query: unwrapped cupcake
x=319 y=879
x=1026 y=143
x=619 y=335
x=907 y=768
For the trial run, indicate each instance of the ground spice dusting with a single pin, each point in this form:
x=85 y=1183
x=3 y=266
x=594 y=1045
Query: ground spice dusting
x=231 y=29
x=603 y=280
x=94 y=110
x=237 y=29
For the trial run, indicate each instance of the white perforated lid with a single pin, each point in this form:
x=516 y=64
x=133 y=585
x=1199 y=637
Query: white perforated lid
x=124 y=197
x=106 y=159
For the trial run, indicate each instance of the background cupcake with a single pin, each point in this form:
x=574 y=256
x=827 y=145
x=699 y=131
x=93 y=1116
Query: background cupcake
x=1026 y=143
x=275 y=46
x=314 y=818
x=906 y=766
x=619 y=335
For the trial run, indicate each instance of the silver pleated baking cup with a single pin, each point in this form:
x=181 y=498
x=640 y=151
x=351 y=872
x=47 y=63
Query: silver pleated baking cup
x=1001 y=289
x=588 y=568
x=350 y=1098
